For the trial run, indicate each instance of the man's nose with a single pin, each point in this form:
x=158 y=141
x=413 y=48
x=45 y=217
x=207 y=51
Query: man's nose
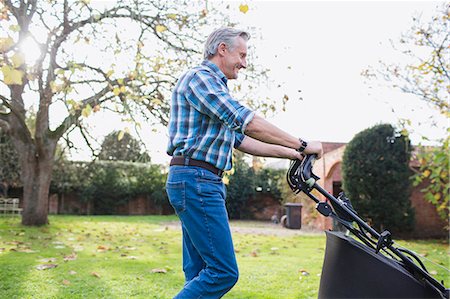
x=244 y=63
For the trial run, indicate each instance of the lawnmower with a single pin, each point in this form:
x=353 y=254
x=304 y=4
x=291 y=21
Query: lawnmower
x=368 y=264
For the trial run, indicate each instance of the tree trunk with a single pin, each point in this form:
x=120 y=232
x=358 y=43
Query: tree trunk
x=36 y=178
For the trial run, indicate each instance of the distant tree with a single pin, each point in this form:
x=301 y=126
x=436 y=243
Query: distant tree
x=427 y=76
x=9 y=165
x=121 y=146
x=90 y=56
x=376 y=177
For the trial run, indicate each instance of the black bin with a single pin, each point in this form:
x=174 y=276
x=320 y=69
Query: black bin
x=294 y=215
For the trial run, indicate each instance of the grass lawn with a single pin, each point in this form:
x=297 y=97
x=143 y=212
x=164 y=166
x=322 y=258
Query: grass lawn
x=140 y=257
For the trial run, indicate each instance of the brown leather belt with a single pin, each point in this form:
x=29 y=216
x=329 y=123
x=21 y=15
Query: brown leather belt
x=186 y=161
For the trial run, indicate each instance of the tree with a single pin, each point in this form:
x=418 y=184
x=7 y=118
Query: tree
x=121 y=146
x=91 y=57
x=426 y=75
x=376 y=175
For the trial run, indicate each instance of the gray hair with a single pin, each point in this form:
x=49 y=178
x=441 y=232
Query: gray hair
x=224 y=35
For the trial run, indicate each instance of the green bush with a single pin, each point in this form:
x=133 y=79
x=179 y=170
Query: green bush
x=376 y=177
x=108 y=184
x=9 y=165
x=243 y=184
x=240 y=187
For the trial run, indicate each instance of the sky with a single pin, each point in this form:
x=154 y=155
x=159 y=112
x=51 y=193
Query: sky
x=321 y=48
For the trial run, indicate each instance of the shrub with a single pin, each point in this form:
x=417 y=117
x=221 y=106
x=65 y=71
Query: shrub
x=244 y=183
x=376 y=177
x=108 y=184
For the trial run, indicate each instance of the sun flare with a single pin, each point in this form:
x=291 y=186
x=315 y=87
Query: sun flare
x=31 y=50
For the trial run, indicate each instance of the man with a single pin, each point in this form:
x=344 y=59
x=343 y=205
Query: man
x=205 y=124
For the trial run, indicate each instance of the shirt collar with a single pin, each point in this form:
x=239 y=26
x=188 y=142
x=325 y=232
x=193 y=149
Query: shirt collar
x=215 y=69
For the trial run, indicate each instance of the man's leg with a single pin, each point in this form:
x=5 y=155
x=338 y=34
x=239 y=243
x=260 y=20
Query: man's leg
x=205 y=220
x=192 y=261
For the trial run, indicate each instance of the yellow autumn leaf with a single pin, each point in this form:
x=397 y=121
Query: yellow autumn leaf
x=437 y=196
x=109 y=73
x=11 y=76
x=5 y=44
x=243 y=8
x=116 y=91
x=120 y=136
x=56 y=87
x=160 y=28
x=14 y=28
x=172 y=16
x=426 y=173
x=122 y=89
x=86 y=111
x=156 y=102
x=17 y=59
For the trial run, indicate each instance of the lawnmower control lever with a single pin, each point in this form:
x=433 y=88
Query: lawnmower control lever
x=307 y=176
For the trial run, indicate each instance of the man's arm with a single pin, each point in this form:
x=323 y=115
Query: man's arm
x=258 y=148
x=260 y=129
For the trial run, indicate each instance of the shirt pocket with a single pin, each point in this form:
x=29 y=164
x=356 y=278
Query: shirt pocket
x=177 y=195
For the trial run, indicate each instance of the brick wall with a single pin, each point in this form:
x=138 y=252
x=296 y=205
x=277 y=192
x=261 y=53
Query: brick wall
x=427 y=221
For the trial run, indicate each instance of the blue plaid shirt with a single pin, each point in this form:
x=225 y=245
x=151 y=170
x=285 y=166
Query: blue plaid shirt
x=205 y=121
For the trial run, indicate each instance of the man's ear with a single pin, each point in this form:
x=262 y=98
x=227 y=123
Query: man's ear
x=221 y=49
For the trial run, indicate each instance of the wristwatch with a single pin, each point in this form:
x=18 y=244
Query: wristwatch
x=303 y=145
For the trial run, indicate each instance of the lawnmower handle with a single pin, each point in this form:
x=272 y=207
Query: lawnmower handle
x=306 y=170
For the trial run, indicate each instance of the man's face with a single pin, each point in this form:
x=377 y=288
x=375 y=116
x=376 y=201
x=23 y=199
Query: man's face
x=235 y=58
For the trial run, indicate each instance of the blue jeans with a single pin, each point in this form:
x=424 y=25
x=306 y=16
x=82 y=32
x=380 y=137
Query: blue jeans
x=209 y=262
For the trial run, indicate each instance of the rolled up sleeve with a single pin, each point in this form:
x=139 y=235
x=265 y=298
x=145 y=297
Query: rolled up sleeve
x=209 y=96
x=238 y=138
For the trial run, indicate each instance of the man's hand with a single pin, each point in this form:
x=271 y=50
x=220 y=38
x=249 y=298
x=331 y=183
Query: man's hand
x=314 y=147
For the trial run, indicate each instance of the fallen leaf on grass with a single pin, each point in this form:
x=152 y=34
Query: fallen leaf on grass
x=433 y=272
x=71 y=272
x=46 y=266
x=48 y=260
x=102 y=248
x=303 y=272
x=255 y=253
x=156 y=270
x=70 y=257
x=25 y=250
x=132 y=257
x=95 y=274
x=66 y=282
x=14 y=243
